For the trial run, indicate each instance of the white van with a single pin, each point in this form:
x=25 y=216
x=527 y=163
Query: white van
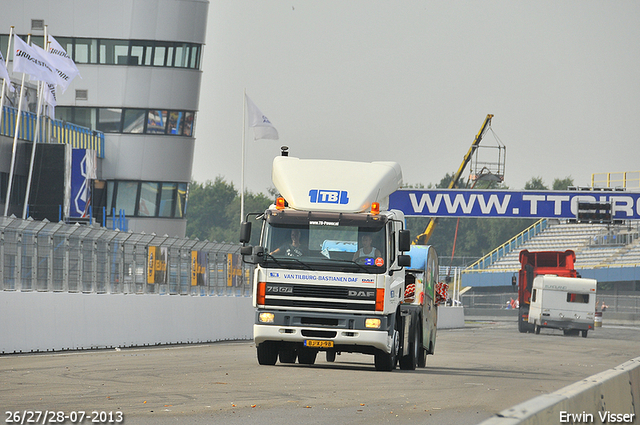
x=566 y=303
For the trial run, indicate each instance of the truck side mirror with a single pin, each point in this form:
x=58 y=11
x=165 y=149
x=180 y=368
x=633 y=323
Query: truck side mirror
x=245 y=232
x=404 y=240
x=252 y=254
x=513 y=280
x=404 y=260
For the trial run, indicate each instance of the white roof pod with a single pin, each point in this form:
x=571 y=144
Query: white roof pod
x=330 y=185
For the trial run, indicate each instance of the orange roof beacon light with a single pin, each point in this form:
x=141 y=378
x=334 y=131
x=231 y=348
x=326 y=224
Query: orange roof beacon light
x=280 y=203
x=375 y=208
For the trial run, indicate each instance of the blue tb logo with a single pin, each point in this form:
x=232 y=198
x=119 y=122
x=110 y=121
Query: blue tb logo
x=318 y=196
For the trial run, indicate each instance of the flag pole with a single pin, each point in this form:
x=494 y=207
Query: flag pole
x=36 y=137
x=15 y=140
x=244 y=126
x=4 y=81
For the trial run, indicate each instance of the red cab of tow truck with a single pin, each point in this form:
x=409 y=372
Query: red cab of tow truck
x=534 y=263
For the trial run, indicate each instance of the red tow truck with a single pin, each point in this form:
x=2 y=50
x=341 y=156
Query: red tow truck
x=534 y=263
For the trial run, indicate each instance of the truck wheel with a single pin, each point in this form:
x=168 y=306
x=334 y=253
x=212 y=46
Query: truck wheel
x=267 y=353
x=331 y=356
x=288 y=356
x=422 y=357
x=387 y=361
x=537 y=328
x=307 y=356
x=584 y=334
x=408 y=361
x=524 y=325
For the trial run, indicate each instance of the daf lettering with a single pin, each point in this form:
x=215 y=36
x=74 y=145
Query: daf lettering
x=361 y=294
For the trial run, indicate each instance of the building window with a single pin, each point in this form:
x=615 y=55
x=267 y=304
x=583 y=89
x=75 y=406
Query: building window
x=85 y=117
x=188 y=123
x=148 y=199
x=109 y=120
x=114 y=52
x=85 y=50
x=126 y=194
x=167 y=199
x=182 y=200
x=143 y=52
x=105 y=51
x=156 y=122
x=159 y=56
x=176 y=122
x=153 y=199
x=129 y=121
x=134 y=120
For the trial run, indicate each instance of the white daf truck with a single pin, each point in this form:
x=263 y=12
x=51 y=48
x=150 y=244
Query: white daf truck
x=330 y=268
x=567 y=303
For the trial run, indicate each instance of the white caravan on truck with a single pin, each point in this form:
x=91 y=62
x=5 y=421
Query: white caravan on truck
x=567 y=303
x=330 y=268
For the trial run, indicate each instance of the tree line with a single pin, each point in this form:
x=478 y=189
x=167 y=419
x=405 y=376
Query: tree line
x=213 y=213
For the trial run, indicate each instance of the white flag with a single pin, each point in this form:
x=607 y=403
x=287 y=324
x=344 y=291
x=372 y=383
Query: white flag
x=50 y=100
x=3 y=70
x=262 y=127
x=62 y=79
x=27 y=60
x=62 y=61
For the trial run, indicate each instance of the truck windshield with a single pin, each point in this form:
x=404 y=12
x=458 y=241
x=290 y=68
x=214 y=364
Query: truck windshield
x=343 y=242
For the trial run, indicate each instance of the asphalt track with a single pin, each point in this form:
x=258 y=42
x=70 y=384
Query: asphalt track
x=476 y=371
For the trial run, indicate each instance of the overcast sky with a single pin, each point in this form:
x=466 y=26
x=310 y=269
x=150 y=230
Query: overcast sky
x=412 y=82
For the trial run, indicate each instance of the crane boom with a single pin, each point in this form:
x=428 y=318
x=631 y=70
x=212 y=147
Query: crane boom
x=423 y=238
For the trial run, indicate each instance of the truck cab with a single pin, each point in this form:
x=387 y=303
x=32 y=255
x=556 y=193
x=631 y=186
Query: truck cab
x=330 y=262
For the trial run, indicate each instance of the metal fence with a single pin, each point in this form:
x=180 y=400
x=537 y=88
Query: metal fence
x=615 y=303
x=45 y=256
x=51 y=131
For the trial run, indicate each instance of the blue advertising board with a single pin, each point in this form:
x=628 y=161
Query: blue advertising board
x=83 y=169
x=506 y=203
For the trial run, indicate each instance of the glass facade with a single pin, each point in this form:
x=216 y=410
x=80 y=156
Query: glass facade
x=129 y=120
x=147 y=199
x=105 y=51
x=143 y=199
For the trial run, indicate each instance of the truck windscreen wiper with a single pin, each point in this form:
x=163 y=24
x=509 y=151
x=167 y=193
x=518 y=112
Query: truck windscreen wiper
x=293 y=259
x=351 y=262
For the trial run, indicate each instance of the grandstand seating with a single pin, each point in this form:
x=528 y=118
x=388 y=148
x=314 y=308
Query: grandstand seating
x=595 y=245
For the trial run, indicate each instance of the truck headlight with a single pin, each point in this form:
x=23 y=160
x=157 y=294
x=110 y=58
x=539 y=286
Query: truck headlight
x=372 y=323
x=266 y=317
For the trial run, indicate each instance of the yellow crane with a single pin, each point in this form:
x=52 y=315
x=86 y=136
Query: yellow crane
x=423 y=238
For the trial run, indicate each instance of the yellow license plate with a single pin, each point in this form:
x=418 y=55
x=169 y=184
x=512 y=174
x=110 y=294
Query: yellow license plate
x=317 y=343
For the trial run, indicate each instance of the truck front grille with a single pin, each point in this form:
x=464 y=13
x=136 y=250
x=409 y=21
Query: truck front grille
x=320 y=296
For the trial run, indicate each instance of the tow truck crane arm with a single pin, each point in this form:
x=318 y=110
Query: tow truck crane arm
x=423 y=238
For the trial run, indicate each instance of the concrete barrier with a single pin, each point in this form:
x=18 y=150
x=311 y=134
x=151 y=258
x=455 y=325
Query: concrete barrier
x=450 y=317
x=51 y=321
x=612 y=396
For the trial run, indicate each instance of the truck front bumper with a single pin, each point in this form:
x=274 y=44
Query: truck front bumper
x=347 y=331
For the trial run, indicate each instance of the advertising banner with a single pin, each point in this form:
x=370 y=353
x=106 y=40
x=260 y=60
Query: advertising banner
x=199 y=268
x=234 y=269
x=516 y=204
x=157 y=265
x=83 y=170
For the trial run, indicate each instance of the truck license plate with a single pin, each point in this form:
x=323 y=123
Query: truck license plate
x=317 y=343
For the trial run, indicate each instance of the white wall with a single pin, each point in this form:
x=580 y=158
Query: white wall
x=48 y=321
x=615 y=390
x=450 y=317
